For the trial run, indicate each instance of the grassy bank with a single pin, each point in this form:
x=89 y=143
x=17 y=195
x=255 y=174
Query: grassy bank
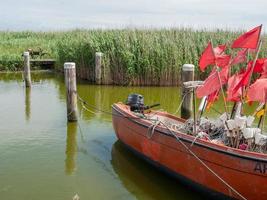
x=138 y=57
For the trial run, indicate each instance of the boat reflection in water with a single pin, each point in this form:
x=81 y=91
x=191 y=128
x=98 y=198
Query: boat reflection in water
x=71 y=148
x=144 y=181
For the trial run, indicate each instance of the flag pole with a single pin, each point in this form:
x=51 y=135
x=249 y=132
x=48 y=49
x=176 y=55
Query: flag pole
x=264 y=113
x=202 y=107
x=224 y=99
x=220 y=81
x=256 y=57
x=254 y=62
x=194 y=114
x=233 y=111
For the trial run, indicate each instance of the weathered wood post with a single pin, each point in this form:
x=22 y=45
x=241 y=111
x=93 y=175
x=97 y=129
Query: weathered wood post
x=98 y=56
x=71 y=91
x=27 y=69
x=187 y=96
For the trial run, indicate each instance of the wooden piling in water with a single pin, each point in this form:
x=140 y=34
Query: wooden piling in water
x=187 y=95
x=98 y=71
x=27 y=69
x=71 y=91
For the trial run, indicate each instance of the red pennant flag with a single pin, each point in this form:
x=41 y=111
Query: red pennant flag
x=212 y=83
x=249 y=39
x=219 y=49
x=207 y=57
x=223 y=60
x=243 y=81
x=212 y=98
x=232 y=82
x=240 y=57
x=264 y=72
x=257 y=91
x=260 y=66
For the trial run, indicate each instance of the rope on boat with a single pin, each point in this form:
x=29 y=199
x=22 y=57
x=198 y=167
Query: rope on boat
x=204 y=164
x=85 y=104
x=153 y=126
x=199 y=135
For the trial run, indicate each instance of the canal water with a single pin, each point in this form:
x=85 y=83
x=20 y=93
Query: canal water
x=43 y=157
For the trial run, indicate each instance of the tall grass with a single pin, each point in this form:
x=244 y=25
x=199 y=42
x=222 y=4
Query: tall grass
x=137 y=57
x=13 y=44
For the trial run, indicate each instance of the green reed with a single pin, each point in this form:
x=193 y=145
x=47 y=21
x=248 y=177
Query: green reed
x=130 y=56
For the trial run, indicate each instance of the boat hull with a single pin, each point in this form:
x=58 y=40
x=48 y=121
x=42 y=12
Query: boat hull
x=246 y=172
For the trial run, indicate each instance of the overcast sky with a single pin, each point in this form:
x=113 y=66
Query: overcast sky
x=71 y=14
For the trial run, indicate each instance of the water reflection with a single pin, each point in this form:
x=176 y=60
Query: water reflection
x=98 y=101
x=71 y=148
x=141 y=179
x=27 y=104
x=38 y=76
x=46 y=136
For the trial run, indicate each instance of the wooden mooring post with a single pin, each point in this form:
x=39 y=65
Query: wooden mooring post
x=71 y=91
x=98 y=71
x=27 y=69
x=187 y=96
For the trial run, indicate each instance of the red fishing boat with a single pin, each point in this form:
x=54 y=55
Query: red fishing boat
x=233 y=172
x=227 y=156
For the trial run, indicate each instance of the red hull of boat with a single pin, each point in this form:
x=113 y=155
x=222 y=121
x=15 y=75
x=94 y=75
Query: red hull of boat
x=245 y=171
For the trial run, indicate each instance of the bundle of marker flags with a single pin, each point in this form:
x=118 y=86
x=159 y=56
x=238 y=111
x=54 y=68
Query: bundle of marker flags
x=222 y=62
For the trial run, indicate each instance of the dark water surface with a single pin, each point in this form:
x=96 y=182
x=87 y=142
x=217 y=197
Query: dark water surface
x=42 y=157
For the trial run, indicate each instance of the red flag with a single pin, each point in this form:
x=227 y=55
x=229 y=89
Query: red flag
x=219 y=49
x=249 y=39
x=264 y=72
x=221 y=59
x=240 y=57
x=244 y=80
x=212 y=98
x=259 y=67
x=232 y=82
x=257 y=91
x=212 y=83
x=207 y=57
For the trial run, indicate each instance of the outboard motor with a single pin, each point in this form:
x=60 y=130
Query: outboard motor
x=136 y=102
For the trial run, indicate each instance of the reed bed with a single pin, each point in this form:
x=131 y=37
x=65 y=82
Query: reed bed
x=130 y=56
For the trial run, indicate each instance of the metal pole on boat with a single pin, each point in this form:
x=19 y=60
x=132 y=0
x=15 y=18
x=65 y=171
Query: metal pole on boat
x=71 y=91
x=194 y=112
x=98 y=56
x=264 y=114
x=187 y=96
x=27 y=69
x=202 y=107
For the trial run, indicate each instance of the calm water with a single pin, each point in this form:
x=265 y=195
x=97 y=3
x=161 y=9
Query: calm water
x=42 y=157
